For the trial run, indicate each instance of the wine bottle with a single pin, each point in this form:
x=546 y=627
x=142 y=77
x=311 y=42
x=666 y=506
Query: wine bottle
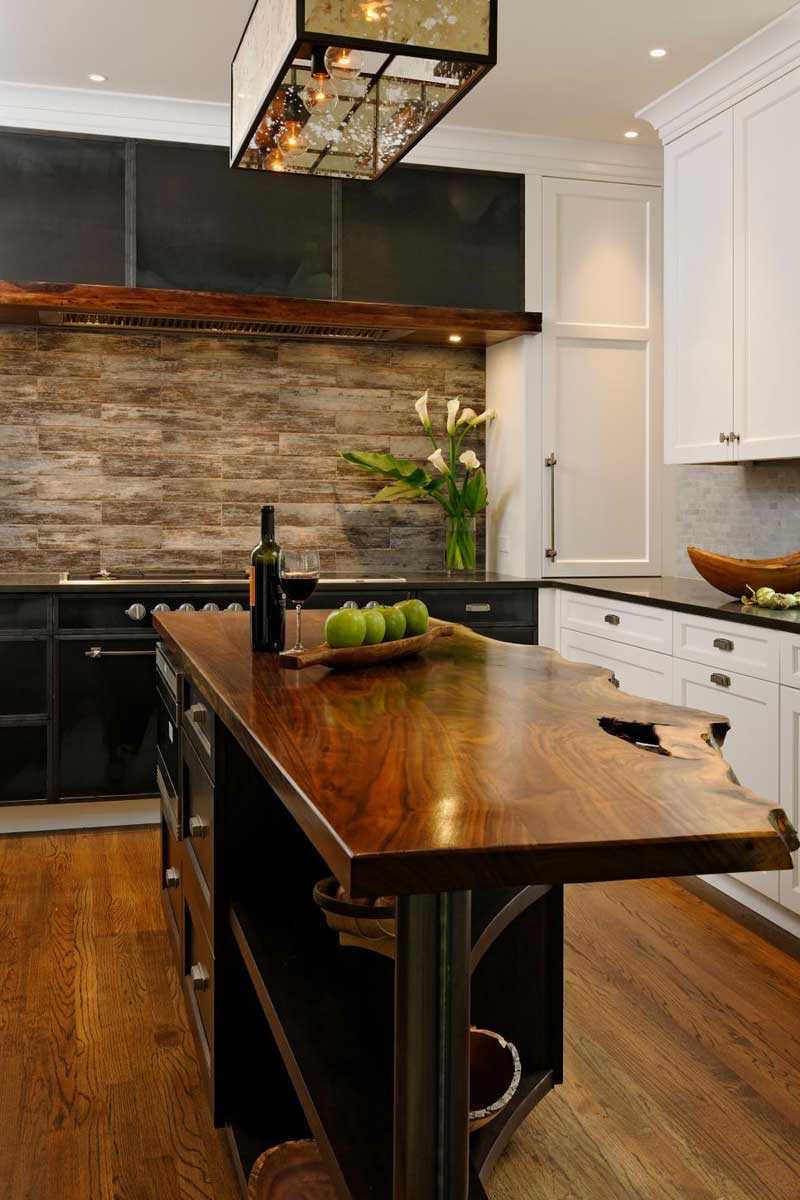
x=267 y=608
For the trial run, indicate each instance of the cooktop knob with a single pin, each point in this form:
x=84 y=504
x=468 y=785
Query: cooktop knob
x=210 y=608
x=136 y=612
x=161 y=608
x=234 y=608
x=186 y=608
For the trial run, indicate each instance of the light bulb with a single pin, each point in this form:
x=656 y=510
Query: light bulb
x=376 y=10
x=343 y=63
x=320 y=92
x=274 y=161
x=293 y=140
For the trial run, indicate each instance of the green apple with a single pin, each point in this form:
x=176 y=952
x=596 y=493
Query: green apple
x=416 y=615
x=345 y=628
x=395 y=623
x=376 y=626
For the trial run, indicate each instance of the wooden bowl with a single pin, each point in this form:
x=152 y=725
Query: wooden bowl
x=734 y=575
x=494 y=1074
x=369 y=924
x=366 y=656
x=292 y=1171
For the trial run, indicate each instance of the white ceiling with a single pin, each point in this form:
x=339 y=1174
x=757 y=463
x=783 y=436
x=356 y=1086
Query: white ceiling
x=575 y=68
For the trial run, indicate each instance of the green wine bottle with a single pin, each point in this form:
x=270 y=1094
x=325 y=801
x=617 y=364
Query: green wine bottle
x=267 y=608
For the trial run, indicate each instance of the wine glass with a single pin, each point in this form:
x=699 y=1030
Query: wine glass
x=299 y=575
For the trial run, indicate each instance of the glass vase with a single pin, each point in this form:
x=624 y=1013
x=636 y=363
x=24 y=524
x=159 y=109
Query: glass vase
x=460 y=548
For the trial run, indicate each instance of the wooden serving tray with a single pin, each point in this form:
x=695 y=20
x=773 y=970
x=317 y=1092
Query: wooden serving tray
x=367 y=656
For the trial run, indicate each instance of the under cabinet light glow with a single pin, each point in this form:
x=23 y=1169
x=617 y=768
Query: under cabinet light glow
x=631 y=133
x=659 y=52
x=97 y=78
x=454 y=337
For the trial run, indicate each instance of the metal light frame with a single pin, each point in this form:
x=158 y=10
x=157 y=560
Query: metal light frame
x=303 y=37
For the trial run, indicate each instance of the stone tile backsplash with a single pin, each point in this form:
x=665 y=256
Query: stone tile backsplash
x=750 y=510
x=141 y=451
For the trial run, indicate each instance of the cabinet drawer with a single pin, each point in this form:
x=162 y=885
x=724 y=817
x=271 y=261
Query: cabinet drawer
x=171 y=880
x=728 y=645
x=519 y=635
x=25 y=612
x=619 y=621
x=483 y=606
x=198 y=819
x=640 y=672
x=198 y=721
x=198 y=982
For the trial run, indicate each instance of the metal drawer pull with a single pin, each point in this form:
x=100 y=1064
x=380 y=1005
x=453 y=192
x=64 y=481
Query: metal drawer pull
x=552 y=462
x=198 y=828
x=723 y=644
x=99 y=652
x=200 y=977
x=477 y=608
x=171 y=878
x=614 y=681
x=197 y=713
x=721 y=680
x=611 y=619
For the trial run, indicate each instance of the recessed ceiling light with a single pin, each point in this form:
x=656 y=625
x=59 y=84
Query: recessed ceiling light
x=97 y=78
x=659 y=52
x=631 y=133
x=454 y=337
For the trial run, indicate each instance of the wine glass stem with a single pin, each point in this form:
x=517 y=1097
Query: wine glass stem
x=299 y=610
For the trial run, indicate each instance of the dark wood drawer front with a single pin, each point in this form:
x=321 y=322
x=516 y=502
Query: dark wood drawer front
x=198 y=722
x=198 y=818
x=520 y=635
x=483 y=606
x=24 y=612
x=171 y=879
x=199 y=983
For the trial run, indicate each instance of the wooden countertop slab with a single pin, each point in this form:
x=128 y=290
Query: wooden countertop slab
x=479 y=764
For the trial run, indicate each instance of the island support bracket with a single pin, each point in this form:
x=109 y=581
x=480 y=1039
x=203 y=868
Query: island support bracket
x=431 y=1057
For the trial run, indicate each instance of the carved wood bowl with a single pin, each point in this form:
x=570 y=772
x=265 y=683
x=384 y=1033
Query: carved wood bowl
x=494 y=1074
x=734 y=575
x=291 y=1171
x=369 y=924
x=366 y=656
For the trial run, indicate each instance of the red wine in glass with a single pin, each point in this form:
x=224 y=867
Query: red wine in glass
x=299 y=575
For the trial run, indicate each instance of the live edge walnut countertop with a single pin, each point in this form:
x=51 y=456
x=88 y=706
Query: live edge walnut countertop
x=478 y=764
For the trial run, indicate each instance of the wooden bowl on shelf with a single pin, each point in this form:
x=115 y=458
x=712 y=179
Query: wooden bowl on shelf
x=291 y=1171
x=494 y=1074
x=369 y=924
x=735 y=575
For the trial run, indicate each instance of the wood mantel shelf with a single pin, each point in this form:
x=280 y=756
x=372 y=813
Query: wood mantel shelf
x=481 y=764
x=98 y=306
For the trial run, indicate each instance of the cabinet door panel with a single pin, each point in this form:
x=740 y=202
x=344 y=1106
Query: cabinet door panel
x=767 y=271
x=790 y=789
x=698 y=293
x=23 y=753
x=24 y=679
x=751 y=747
x=640 y=672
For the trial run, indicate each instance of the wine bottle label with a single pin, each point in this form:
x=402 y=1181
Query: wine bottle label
x=252 y=587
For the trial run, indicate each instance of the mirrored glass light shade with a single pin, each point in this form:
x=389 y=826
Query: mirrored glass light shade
x=389 y=69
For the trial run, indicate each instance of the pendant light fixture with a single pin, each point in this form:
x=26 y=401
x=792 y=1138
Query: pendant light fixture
x=345 y=88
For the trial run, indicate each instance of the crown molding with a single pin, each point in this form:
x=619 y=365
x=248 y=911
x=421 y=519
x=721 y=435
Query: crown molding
x=163 y=118
x=748 y=67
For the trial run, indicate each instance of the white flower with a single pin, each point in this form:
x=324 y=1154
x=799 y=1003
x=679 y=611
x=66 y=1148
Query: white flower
x=452 y=412
x=422 y=410
x=468 y=414
x=470 y=460
x=489 y=415
x=437 y=458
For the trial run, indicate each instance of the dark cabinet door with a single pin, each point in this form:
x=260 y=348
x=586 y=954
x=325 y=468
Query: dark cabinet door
x=62 y=209
x=202 y=227
x=24 y=678
x=23 y=753
x=419 y=236
x=107 y=724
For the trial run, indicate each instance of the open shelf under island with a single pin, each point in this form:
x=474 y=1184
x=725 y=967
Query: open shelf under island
x=471 y=783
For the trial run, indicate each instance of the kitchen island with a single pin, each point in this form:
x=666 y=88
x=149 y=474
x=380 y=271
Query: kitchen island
x=471 y=783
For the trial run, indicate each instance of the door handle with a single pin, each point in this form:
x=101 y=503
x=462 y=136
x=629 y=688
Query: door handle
x=171 y=878
x=723 y=644
x=477 y=608
x=200 y=977
x=99 y=652
x=198 y=828
x=552 y=462
x=721 y=680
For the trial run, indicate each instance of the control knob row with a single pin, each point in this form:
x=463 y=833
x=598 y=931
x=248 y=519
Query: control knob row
x=138 y=612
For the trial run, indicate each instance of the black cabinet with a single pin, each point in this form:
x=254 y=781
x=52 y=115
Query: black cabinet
x=24 y=670
x=23 y=753
x=107 y=717
x=62 y=209
x=423 y=236
x=203 y=227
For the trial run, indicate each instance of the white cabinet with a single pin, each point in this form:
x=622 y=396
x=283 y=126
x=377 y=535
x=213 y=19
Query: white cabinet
x=601 y=377
x=751 y=746
x=698 y=294
x=790 y=789
x=639 y=672
x=620 y=621
x=728 y=645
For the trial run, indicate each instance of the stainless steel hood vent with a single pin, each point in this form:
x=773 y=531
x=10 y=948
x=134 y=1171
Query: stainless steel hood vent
x=281 y=329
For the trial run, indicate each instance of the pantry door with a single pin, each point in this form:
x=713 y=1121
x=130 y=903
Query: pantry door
x=601 y=378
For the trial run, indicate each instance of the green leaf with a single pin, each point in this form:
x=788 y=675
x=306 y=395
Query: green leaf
x=395 y=492
x=392 y=467
x=476 y=494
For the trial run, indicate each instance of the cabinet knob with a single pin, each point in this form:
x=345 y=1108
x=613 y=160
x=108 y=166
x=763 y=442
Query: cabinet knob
x=724 y=437
x=171 y=878
x=198 y=828
x=721 y=680
x=200 y=977
x=197 y=713
x=136 y=612
x=734 y=437
x=611 y=619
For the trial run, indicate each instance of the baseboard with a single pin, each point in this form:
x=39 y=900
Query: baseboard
x=756 y=912
x=88 y=814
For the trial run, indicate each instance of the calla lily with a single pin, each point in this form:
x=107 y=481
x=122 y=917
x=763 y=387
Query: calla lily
x=489 y=415
x=452 y=412
x=422 y=410
x=437 y=458
x=470 y=460
x=468 y=414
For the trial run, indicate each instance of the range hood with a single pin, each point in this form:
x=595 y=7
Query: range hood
x=96 y=306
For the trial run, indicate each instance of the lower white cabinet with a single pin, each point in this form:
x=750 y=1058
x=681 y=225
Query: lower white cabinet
x=790 y=789
x=751 y=747
x=640 y=672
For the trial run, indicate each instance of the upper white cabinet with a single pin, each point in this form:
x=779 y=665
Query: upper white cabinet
x=601 y=373
x=698 y=294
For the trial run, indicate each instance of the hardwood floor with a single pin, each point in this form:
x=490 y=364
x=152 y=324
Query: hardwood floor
x=683 y=1046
